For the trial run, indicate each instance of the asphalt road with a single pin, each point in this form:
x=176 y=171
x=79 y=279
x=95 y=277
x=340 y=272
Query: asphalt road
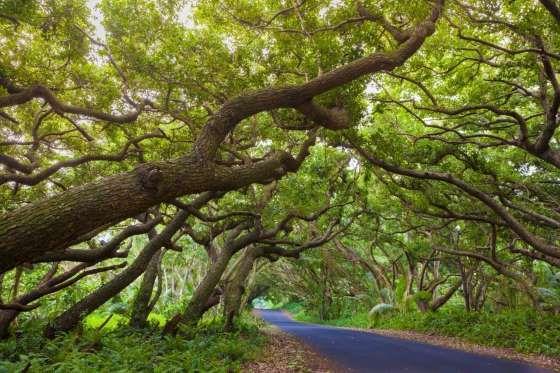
x=368 y=352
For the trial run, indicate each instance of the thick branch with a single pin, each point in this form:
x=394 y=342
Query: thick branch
x=552 y=7
x=53 y=223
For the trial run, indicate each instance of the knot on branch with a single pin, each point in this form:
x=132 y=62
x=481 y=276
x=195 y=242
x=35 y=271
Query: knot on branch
x=150 y=177
x=335 y=118
x=289 y=163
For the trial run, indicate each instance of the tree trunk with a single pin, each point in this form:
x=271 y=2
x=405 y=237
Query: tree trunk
x=6 y=319
x=71 y=317
x=142 y=302
x=198 y=304
x=235 y=286
x=466 y=280
x=423 y=305
x=410 y=274
x=480 y=297
x=17 y=281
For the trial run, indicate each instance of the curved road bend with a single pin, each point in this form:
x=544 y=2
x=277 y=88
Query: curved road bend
x=368 y=352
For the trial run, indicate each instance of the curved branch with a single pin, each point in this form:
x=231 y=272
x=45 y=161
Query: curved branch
x=55 y=222
x=237 y=109
x=23 y=95
x=488 y=200
x=552 y=7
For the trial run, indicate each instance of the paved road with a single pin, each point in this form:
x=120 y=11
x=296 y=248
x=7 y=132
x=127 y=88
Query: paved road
x=369 y=352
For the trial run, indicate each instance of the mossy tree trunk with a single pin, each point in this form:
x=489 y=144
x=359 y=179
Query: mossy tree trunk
x=235 y=286
x=144 y=302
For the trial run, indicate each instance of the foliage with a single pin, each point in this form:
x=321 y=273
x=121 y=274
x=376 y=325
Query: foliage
x=380 y=309
x=551 y=293
x=123 y=349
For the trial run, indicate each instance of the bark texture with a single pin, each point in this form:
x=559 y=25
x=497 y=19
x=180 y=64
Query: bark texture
x=235 y=285
x=6 y=319
x=143 y=302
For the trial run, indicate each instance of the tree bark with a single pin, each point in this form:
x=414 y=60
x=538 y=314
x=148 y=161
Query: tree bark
x=141 y=307
x=6 y=319
x=552 y=7
x=235 y=286
x=466 y=280
x=54 y=224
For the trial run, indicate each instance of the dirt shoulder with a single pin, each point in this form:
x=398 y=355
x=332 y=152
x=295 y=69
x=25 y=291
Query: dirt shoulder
x=284 y=353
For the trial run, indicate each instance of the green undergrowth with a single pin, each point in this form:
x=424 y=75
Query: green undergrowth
x=96 y=320
x=123 y=349
x=525 y=331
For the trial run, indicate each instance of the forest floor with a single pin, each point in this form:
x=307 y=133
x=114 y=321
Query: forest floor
x=284 y=353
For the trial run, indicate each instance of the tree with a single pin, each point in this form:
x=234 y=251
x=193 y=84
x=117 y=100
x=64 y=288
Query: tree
x=58 y=221
x=213 y=144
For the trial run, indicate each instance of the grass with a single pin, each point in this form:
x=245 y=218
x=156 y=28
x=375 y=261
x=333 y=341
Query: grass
x=524 y=330
x=123 y=349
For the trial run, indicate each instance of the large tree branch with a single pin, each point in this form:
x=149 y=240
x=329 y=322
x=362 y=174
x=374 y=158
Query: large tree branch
x=56 y=222
x=552 y=7
x=552 y=122
x=53 y=223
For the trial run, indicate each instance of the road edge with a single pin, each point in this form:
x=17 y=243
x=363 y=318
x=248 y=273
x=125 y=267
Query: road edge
x=281 y=346
x=455 y=343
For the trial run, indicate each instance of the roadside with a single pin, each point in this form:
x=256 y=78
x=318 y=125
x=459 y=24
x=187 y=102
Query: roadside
x=459 y=344
x=284 y=353
x=542 y=361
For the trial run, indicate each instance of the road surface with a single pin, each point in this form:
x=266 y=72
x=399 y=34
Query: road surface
x=369 y=352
